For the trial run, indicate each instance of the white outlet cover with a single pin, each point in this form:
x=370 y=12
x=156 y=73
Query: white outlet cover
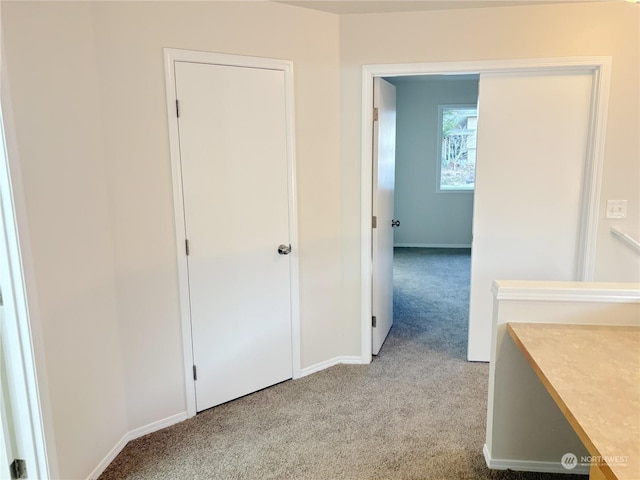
x=616 y=209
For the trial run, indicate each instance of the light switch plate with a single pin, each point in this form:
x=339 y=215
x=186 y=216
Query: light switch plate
x=616 y=209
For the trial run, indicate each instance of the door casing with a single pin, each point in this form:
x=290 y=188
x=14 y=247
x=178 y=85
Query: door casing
x=23 y=347
x=174 y=55
x=601 y=70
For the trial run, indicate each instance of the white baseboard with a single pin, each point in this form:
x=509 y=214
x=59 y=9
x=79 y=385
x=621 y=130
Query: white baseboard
x=433 y=245
x=132 y=435
x=159 y=425
x=179 y=417
x=530 y=465
x=330 y=363
x=102 y=466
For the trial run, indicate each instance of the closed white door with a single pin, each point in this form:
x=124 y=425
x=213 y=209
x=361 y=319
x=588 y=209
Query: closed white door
x=533 y=132
x=384 y=161
x=233 y=150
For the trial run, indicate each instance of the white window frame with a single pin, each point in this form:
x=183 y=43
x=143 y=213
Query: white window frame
x=441 y=109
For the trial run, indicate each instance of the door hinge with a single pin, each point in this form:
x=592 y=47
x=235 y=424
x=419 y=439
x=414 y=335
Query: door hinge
x=375 y=114
x=178 y=108
x=186 y=245
x=374 y=222
x=373 y=321
x=18 y=468
x=195 y=373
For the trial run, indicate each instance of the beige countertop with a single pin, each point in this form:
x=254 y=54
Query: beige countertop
x=593 y=374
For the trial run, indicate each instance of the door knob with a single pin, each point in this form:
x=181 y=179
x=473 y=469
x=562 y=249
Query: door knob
x=284 y=249
x=395 y=223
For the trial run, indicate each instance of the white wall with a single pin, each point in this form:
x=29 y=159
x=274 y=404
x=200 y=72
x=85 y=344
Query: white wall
x=428 y=218
x=133 y=92
x=593 y=29
x=57 y=113
x=88 y=92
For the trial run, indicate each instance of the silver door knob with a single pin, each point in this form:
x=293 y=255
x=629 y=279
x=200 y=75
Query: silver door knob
x=395 y=223
x=284 y=249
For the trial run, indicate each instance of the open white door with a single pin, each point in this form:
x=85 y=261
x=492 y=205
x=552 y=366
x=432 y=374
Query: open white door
x=533 y=137
x=234 y=154
x=384 y=160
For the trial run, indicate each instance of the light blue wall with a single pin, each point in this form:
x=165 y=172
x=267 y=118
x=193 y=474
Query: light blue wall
x=428 y=218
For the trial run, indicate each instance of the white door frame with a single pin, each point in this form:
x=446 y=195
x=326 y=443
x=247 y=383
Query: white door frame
x=21 y=336
x=601 y=68
x=174 y=55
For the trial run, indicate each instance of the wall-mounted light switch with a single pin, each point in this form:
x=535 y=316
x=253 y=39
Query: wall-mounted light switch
x=616 y=209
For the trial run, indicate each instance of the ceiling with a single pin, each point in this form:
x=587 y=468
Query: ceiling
x=344 y=7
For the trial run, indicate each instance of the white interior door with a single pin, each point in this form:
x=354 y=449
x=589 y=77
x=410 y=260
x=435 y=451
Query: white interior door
x=533 y=131
x=233 y=148
x=384 y=160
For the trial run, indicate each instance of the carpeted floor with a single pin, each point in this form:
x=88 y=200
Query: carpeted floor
x=417 y=412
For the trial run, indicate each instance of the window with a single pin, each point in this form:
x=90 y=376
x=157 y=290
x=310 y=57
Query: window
x=457 y=147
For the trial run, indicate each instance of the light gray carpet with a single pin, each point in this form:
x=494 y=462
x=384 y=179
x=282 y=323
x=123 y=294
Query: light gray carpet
x=417 y=412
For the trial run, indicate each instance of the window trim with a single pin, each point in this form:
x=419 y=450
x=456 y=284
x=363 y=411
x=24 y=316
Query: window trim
x=441 y=108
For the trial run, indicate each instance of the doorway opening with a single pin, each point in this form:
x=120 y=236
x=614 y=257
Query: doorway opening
x=591 y=76
x=436 y=122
